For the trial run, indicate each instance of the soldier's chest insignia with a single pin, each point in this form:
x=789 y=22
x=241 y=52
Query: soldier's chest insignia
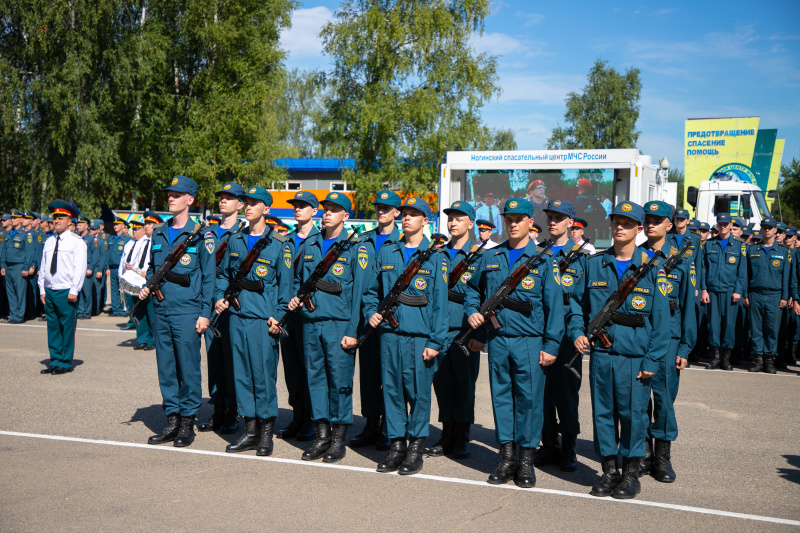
x=557 y=275
x=444 y=270
x=776 y=262
x=120 y=247
x=689 y=252
x=496 y=266
x=420 y=284
x=567 y=280
x=40 y=241
x=732 y=259
x=208 y=235
x=664 y=287
x=16 y=244
x=261 y=271
x=387 y=267
x=186 y=259
x=338 y=269
x=593 y=284
x=643 y=290
x=30 y=240
x=693 y=277
x=210 y=245
x=638 y=303
x=465 y=277
x=528 y=283
x=287 y=256
x=362 y=258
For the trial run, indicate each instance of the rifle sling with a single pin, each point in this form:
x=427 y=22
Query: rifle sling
x=329 y=288
x=456 y=297
x=413 y=300
x=631 y=321
x=518 y=306
x=252 y=285
x=180 y=279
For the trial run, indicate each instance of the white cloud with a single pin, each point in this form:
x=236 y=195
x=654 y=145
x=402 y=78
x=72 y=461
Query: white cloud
x=545 y=90
x=531 y=19
x=302 y=39
x=498 y=44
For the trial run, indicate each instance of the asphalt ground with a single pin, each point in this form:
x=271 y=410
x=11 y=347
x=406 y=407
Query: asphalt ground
x=73 y=455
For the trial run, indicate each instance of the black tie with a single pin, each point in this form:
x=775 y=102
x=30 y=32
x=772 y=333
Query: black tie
x=54 y=260
x=144 y=254
x=130 y=253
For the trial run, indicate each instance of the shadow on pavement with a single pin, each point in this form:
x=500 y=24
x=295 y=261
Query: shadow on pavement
x=75 y=362
x=791 y=474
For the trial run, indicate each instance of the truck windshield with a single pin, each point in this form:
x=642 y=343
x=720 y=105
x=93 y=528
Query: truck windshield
x=758 y=196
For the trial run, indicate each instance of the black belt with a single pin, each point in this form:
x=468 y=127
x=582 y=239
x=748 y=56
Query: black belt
x=631 y=321
x=519 y=306
x=327 y=287
x=413 y=300
x=252 y=285
x=180 y=279
x=456 y=297
x=566 y=298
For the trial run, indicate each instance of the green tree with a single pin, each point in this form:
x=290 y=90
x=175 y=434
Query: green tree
x=406 y=87
x=676 y=175
x=300 y=108
x=789 y=190
x=604 y=115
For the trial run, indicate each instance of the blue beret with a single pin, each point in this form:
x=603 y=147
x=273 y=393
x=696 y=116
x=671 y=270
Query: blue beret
x=681 y=213
x=769 y=221
x=231 y=188
x=659 y=209
x=631 y=210
x=258 y=193
x=182 y=184
x=419 y=204
x=305 y=196
x=339 y=199
x=518 y=205
x=461 y=207
x=389 y=198
x=561 y=206
x=724 y=217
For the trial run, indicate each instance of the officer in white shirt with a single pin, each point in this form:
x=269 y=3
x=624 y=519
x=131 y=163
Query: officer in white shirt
x=61 y=276
x=576 y=234
x=132 y=270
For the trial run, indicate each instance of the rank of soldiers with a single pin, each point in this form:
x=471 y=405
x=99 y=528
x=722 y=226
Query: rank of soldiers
x=418 y=312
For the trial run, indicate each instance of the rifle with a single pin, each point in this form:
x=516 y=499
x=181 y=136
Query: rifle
x=223 y=245
x=608 y=315
x=164 y=272
x=501 y=299
x=239 y=282
x=571 y=257
x=314 y=281
x=397 y=295
x=675 y=257
x=462 y=267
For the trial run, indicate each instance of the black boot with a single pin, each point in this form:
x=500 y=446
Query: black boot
x=758 y=364
x=569 y=460
x=290 y=431
x=321 y=443
x=792 y=359
x=230 y=422
x=778 y=361
x=769 y=363
x=368 y=435
x=525 y=476
x=507 y=466
x=169 y=432
x=461 y=441
x=715 y=360
x=307 y=430
x=397 y=454
x=629 y=486
x=248 y=440
x=185 y=436
x=662 y=467
x=647 y=461
x=266 y=427
x=446 y=442
x=725 y=364
x=549 y=453
x=610 y=479
x=382 y=443
x=413 y=461
x=337 y=448
x=215 y=421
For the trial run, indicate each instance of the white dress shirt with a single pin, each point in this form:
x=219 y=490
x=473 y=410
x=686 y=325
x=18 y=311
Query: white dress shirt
x=70 y=262
x=589 y=247
x=139 y=263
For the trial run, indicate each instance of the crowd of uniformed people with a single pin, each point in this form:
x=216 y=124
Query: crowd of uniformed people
x=732 y=297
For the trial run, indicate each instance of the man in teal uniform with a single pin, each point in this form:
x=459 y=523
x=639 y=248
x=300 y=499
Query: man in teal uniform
x=784 y=341
x=5 y=227
x=18 y=264
x=305 y=207
x=115 y=246
x=768 y=272
x=723 y=281
x=561 y=388
x=620 y=375
x=85 y=297
x=35 y=241
x=219 y=357
x=331 y=330
x=253 y=328
x=527 y=341
x=457 y=372
x=63 y=264
x=793 y=335
x=408 y=351
x=183 y=315
x=98 y=279
x=387 y=205
x=679 y=286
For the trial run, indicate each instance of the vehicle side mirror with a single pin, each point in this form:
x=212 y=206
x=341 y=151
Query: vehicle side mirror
x=747 y=212
x=691 y=196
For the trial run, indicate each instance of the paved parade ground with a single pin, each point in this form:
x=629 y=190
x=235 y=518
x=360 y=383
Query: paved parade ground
x=74 y=457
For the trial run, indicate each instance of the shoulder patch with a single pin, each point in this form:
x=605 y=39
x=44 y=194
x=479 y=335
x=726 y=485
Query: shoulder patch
x=278 y=237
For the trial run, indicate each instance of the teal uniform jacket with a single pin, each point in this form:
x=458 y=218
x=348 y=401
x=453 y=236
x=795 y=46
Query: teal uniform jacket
x=351 y=271
x=18 y=252
x=197 y=262
x=795 y=275
x=430 y=281
x=542 y=288
x=722 y=269
x=115 y=246
x=457 y=320
x=273 y=267
x=92 y=253
x=679 y=286
x=769 y=270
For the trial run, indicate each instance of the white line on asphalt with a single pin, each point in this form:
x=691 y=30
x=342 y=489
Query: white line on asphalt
x=670 y=506
x=76 y=329
x=737 y=371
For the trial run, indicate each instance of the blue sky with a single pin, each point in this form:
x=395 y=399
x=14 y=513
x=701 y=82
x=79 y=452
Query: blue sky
x=697 y=59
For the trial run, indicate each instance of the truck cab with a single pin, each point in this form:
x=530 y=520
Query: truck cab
x=727 y=194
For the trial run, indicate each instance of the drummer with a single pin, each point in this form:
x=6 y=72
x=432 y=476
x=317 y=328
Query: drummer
x=132 y=269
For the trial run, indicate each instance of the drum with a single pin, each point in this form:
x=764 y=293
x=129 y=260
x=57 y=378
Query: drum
x=128 y=287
